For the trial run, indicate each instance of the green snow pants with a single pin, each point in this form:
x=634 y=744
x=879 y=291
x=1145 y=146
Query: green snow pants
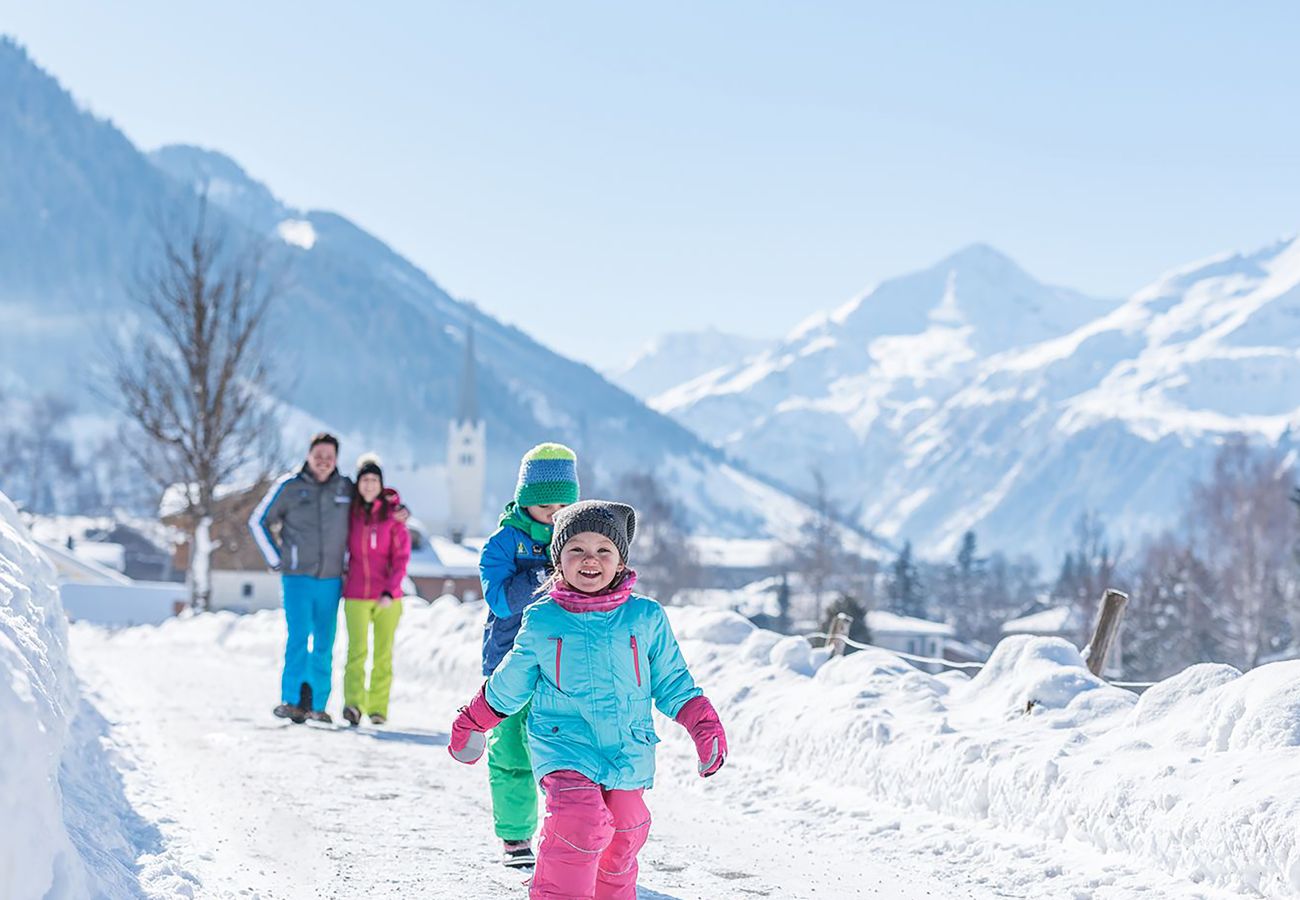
x=510 y=772
x=360 y=614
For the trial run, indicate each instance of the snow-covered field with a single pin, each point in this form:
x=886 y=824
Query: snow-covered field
x=852 y=777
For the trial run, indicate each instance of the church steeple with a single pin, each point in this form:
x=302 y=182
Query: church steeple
x=466 y=453
x=467 y=412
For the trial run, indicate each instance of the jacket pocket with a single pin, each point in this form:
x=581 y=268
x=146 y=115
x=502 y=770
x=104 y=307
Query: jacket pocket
x=644 y=733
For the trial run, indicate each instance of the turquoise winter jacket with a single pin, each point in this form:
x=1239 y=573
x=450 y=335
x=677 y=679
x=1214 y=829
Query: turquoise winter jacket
x=591 y=677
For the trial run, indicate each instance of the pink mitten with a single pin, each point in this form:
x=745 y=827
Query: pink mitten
x=701 y=720
x=467 y=741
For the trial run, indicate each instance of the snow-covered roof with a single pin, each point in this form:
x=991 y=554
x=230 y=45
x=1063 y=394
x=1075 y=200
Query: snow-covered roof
x=1057 y=620
x=72 y=567
x=88 y=529
x=441 y=557
x=881 y=622
x=736 y=553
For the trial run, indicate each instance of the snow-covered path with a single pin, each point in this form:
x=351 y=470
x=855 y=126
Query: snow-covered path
x=249 y=807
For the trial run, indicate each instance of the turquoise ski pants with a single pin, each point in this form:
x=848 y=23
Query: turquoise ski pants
x=311 y=611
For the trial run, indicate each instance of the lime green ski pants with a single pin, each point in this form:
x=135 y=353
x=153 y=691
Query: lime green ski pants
x=510 y=773
x=360 y=615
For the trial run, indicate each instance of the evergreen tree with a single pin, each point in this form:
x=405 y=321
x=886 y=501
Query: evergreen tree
x=905 y=590
x=783 y=604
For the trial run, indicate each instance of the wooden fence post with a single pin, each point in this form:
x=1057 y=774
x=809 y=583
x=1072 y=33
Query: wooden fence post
x=839 y=631
x=1112 y=613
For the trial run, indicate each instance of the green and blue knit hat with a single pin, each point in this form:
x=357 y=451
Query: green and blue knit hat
x=548 y=474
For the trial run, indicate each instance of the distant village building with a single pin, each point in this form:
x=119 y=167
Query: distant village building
x=466 y=455
x=906 y=634
x=240 y=579
x=1056 y=621
x=440 y=566
x=89 y=568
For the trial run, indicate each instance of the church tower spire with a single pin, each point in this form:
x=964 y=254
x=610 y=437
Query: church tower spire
x=466 y=453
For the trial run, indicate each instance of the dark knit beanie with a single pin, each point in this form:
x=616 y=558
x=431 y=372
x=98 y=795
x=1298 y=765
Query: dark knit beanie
x=368 y=464
x=548 y=474
x=616 y=521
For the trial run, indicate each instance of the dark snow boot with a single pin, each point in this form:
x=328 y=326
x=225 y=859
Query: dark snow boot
x=378 y=718
x=295 y=714
x=352 y=714
x=518 y=855
x=319 y=715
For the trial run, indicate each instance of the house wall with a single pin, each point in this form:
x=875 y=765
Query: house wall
x=245 y=591
x=917 y=644
x=142 y=603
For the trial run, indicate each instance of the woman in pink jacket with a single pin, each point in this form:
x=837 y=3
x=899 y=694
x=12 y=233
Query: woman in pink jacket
x=379 y=548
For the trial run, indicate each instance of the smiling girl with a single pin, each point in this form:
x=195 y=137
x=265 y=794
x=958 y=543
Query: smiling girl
x=592 y=658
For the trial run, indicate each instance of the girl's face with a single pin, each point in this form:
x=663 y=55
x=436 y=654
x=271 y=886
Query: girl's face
x=544 y=514
x=589 y=562
x=369 y=486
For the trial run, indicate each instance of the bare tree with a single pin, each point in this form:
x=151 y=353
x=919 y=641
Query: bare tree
x=1243 y=527
x=194 y=383
x=38 y=463
x=817 y=553
x=665 y=560
x=1172 y=620
x=1088 y=570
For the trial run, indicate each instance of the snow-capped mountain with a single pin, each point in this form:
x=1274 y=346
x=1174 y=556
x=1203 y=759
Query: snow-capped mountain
x=363 y=341
x=971 y=396
x=670 y=359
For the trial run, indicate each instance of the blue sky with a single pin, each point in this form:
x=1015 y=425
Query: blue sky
x=600 y=173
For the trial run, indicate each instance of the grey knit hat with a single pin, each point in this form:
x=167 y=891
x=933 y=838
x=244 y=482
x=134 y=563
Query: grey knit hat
x=616 y=521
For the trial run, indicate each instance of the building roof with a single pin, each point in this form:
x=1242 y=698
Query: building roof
x=1056 y=620
x=736 y=553
x=441 y=557
x=881 y=622
x=72 y=567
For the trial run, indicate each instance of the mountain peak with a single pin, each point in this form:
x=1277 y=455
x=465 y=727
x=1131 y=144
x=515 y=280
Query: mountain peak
x=224 y=181
x=983 y=257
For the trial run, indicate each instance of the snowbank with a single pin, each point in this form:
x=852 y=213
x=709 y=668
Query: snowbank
x=38 y=696
x=1200 y=777
x=66 y=829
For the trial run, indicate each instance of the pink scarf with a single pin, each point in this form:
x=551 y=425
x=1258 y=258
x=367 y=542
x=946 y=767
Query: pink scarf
x=612 y=597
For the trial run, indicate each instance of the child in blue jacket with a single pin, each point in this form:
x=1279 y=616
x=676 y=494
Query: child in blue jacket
x=512 y=567
x=591 y=659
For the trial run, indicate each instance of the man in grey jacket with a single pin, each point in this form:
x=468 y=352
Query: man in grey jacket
x=311 y=507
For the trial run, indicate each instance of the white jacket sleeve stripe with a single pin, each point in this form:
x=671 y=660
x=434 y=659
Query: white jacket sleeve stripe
x=257 y=523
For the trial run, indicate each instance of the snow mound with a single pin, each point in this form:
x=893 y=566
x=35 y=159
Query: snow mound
x=38 y=696
x=1258 y=711
x=793 y=653
x=692 y=623
x=1179 y=693
x=67 y=830
x=1027 y=672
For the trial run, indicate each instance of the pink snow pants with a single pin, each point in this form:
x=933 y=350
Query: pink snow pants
x=590 y=840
